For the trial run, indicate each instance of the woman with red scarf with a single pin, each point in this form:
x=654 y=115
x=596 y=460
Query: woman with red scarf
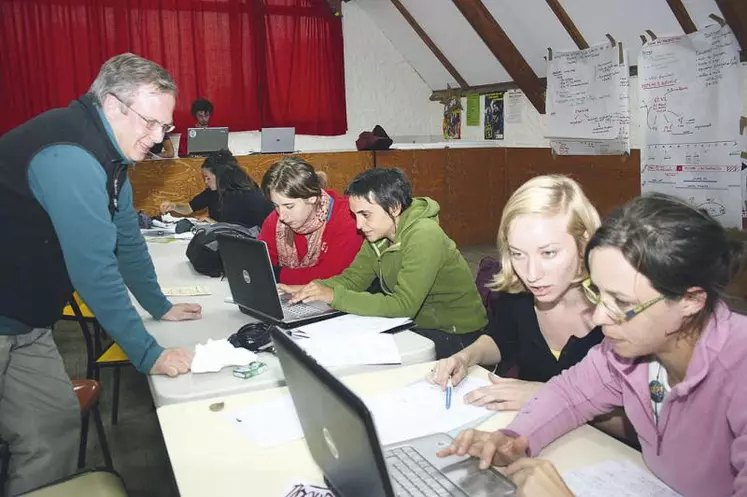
x=312 y=233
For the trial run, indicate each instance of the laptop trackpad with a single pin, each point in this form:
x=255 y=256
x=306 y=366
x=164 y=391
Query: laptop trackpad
x=462 y=471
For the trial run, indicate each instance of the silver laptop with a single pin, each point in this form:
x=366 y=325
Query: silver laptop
x=278 y=140
x=342 y=440
x=206 y=140
x=247 y=266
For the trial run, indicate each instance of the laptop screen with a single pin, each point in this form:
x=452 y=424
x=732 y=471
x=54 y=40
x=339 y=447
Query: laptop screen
x=337 y=425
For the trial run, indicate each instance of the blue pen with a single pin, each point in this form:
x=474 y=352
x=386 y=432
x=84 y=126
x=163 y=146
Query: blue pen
x=449 y=388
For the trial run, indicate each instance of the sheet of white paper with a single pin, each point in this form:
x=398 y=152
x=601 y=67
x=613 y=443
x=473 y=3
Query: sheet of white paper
x=352 y=349
x=687 y=89
x=270 y=423
x=621 y=119
x=297 y=488
x=415 y=410
x=180 y=291
x=420 y=409
x=618 y=478
x=583 y=93
x=351 y=323
x=514 y=108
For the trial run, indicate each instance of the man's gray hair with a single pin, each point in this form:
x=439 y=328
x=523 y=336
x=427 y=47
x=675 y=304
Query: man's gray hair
x=123 y=75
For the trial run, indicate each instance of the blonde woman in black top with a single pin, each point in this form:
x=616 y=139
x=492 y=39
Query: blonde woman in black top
x=540 y=323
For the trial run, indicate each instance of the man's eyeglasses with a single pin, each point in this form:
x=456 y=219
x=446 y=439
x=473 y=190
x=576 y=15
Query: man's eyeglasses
x=151 y=124
x=613 y=311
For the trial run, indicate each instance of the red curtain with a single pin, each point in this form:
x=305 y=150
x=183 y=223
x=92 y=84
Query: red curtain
x=262 y=63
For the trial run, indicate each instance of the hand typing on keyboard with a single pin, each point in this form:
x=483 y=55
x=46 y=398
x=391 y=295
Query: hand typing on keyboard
x=309 y=293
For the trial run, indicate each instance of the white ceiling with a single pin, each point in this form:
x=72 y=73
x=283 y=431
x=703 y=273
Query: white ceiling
x=531 y=26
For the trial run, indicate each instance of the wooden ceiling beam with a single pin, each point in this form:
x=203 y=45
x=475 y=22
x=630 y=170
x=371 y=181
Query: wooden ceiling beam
x=683 y=17
x=568 y=24
x=430 y=44
x=735 y=14
x=504 y=50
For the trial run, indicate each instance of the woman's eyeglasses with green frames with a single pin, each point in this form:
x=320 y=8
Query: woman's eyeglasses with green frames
x=614 y=312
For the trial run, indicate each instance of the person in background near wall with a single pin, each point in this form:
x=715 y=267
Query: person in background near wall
x=540 y=320
x=311 y=234
x=163 y=150
x=674 y=357
x=422 y=273
x=202 y=111
x=66 y=202
x=231 y=195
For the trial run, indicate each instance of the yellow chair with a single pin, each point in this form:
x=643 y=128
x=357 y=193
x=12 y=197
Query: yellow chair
x=97 y=482
x=113 y=357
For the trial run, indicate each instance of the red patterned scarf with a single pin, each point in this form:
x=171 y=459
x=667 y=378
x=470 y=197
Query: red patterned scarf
x=313 y=228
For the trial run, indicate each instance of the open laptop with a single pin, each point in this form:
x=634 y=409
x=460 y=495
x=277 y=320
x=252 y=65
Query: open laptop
x=278 y=140
x=247 y=266
x=206 y=140
x=342 y=439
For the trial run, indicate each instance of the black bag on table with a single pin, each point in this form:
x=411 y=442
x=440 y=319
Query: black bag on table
x=202 y=250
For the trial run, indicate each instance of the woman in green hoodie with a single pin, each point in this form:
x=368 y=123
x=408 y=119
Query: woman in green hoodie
x=423 y=275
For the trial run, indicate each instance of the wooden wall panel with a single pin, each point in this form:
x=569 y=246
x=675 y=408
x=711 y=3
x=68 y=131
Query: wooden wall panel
x=476 y=194
x=608 y=181
x=178 y=180
x=425 y=168
x=472 y=185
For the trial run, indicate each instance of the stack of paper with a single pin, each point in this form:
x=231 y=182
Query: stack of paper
x=415 y=410
x=353 y=324
x=353 y=350
x=351 y=340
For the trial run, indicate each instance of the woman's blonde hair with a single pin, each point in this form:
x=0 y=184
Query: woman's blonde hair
x=548 y=195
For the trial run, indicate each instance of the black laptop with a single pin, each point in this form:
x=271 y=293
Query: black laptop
x=246 y=264
x=342 y=439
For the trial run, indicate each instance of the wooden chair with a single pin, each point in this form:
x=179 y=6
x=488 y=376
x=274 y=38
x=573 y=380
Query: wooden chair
x=113 y=357
x=88 y=393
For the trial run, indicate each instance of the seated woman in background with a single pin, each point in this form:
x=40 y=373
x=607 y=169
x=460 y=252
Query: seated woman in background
x=311 y=233
x=541 y=322
x=231 y=195
x=675 y=357
x=423 y=275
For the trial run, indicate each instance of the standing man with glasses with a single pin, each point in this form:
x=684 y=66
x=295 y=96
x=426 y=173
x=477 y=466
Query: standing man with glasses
x=66 y=208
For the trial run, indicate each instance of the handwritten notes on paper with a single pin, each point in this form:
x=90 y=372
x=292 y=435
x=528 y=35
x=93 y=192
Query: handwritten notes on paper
x=618 y=478
x=588 y=102
x=688 y=86
x=419 y=409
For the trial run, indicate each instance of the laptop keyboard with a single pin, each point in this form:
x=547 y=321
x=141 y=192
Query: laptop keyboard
x=413 y=475
x=297 y=311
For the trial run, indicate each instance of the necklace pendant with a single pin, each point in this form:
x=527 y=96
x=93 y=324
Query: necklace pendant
x=656 y=388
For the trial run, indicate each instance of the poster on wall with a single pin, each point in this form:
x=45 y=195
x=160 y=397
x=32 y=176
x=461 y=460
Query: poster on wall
x=494 y=116
x=452 y=125
x=687 y=89
x=473 y=110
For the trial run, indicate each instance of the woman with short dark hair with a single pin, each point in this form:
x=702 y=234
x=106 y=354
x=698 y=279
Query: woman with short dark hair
x=422 y=274
x=674 y=357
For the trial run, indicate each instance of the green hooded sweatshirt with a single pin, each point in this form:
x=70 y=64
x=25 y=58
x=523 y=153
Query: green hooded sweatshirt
x=423 y=275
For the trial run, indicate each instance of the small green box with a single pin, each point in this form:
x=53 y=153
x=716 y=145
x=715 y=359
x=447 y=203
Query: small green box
x=250 y=370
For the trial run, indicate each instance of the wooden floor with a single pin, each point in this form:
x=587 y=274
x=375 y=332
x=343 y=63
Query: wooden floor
x=137 y=448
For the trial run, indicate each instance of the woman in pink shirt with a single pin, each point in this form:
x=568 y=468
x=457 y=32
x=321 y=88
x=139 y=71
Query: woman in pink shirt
x=674 y=357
